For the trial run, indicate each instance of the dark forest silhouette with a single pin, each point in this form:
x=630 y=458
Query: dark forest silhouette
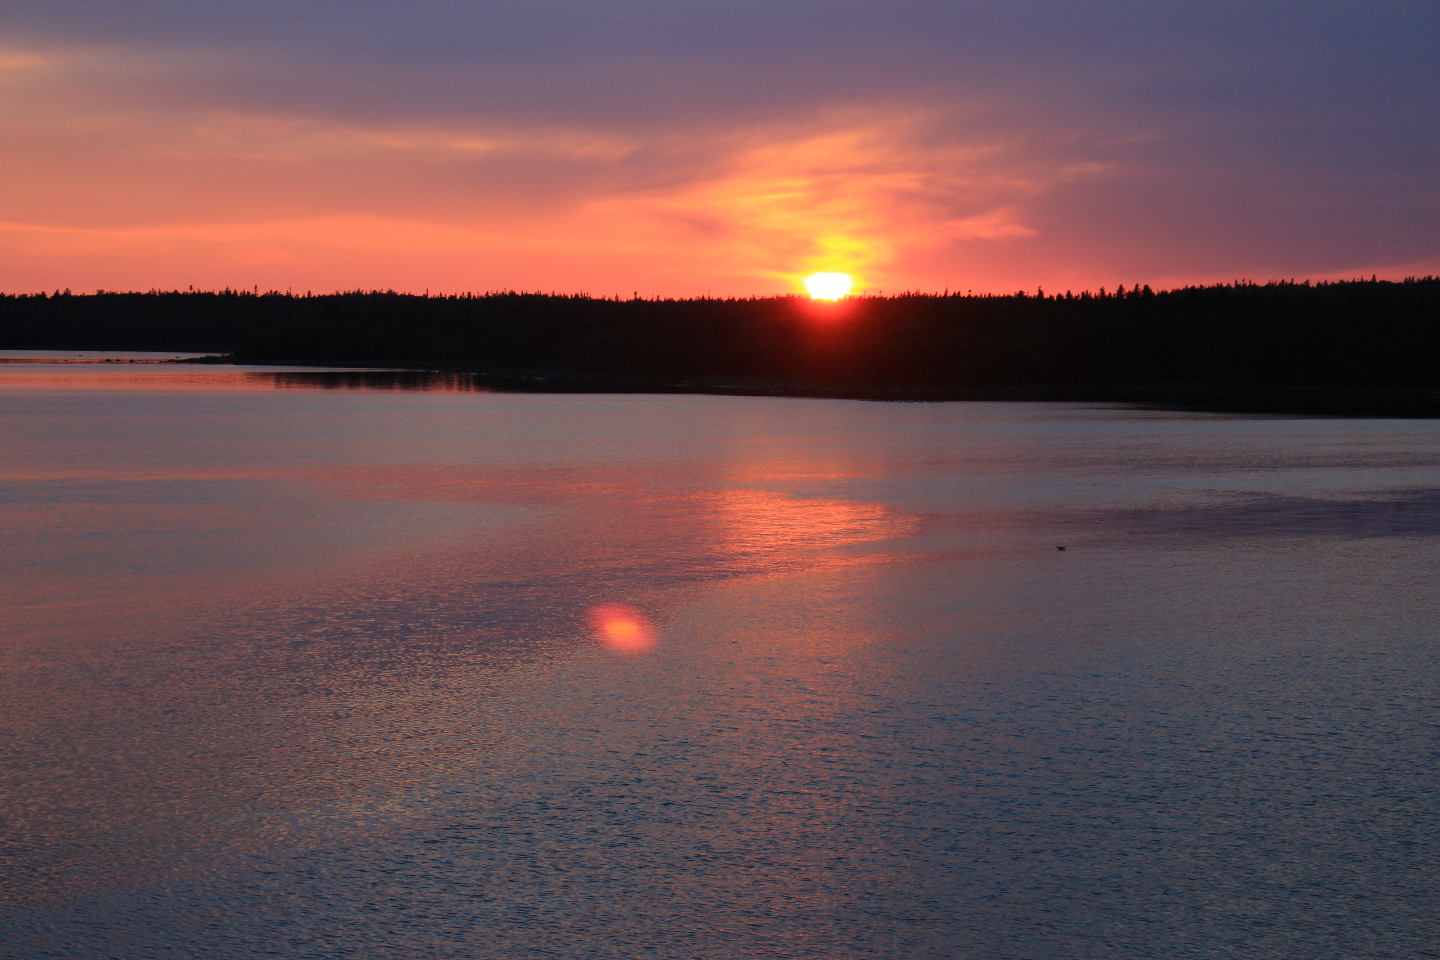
x=1354 y=334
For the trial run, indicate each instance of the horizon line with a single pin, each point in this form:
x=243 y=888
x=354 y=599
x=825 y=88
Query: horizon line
x=878 y=294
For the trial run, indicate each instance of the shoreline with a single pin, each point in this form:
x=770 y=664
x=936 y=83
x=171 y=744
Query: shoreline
x=1380 y=402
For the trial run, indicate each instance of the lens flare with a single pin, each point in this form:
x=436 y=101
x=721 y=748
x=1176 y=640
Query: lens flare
x=621 y=628
x=828 y=286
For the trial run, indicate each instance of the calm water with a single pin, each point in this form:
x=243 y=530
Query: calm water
x=304 y=672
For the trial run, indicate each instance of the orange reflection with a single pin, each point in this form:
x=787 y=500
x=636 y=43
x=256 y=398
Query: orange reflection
x=621 y=628
x=771 y=528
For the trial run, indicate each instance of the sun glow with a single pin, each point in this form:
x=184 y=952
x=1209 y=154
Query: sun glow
x=828 y=286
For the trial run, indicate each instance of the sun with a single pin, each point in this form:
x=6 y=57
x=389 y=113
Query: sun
x=828 y=286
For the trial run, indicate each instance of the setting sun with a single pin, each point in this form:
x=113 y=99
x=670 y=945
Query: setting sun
x=828 y=286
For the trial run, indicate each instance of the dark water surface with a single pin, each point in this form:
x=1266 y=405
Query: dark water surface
x=308 y=673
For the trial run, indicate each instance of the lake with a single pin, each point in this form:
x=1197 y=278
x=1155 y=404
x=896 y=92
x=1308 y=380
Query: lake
x=344 y=664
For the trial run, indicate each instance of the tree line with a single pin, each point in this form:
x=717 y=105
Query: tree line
x=1351 y=334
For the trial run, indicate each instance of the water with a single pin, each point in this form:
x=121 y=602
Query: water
x=308 y=672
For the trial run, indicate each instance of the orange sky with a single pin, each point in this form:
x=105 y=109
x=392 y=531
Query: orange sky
x=222 y=157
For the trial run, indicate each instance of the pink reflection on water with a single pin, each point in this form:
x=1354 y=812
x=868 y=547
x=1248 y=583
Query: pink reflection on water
x=621 y=628
x=163 y=375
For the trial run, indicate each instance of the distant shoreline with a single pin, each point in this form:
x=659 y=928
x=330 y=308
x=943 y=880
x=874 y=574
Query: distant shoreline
x=1373 y=402
x=1406 y=403
x=1352 y=348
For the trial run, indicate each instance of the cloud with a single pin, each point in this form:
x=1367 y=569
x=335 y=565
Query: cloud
x=850 y=192
x=17 y=60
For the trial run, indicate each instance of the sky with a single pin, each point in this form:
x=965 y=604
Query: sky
x=691 y=147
